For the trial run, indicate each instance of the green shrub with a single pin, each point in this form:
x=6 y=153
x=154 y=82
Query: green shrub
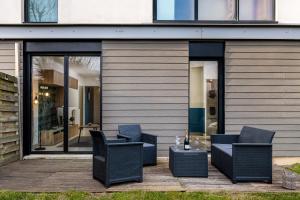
x=295 y=168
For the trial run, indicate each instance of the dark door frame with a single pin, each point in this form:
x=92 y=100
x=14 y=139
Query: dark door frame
x=211 y=51
x=41 y=50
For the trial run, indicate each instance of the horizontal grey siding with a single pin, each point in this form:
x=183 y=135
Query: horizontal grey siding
x=146 y=82
x=262 y=89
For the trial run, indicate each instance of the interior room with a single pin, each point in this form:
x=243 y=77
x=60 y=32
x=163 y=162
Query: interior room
x=203 y=106
x=48 y=92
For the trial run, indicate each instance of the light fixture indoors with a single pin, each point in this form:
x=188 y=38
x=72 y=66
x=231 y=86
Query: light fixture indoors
x=36 y=101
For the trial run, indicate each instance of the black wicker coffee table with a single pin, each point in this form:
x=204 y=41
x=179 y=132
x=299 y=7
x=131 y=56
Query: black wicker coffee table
x=188 y=163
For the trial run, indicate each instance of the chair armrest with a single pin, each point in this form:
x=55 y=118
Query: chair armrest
x=148 y=138
x=248 y=151
x=124 y=156
x=127 y=138
x=252 y=145
x=224 y=139
x=251 y=149
x=120 y=140
x=124 y=144
x=252 y=160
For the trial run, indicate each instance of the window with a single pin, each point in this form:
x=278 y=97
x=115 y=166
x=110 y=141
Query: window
x=216 y=9
x=256 y=10
x=175 y=9
x=41 y=11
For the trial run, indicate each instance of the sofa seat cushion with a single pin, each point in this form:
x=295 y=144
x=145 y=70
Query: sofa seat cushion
x=226 y=148
x=221 y=157
x=99 y=158
x=255 y=135
x=148 y=145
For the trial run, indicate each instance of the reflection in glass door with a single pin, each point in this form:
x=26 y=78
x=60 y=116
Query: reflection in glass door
x=84 y=101
x=203 y=109
x=47 y=103
x=65 y=102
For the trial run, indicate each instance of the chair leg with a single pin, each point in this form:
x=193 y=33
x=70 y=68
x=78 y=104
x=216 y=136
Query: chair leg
x=234 y=181
x=79 y=135
x=107 y=184
x=140 y=180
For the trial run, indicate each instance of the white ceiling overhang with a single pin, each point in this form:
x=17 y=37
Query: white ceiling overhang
x=149 y=32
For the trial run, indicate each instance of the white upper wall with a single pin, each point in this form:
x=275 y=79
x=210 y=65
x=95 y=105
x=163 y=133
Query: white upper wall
x=10 y=11
x=288 y=11
x=105 y=11
x=120 y=11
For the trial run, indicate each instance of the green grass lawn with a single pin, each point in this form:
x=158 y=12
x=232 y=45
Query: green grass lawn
x=4 y=195
x=295 y=168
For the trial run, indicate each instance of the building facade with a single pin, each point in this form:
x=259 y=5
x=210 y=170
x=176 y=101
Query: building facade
x=207 y=66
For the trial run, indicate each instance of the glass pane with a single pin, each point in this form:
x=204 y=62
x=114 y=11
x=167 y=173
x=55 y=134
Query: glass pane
x=256 y=10
x=216 y=9
x=175 y=10
x=47 y=103
x=84 y=101
x=203 y=110
x=42 y=10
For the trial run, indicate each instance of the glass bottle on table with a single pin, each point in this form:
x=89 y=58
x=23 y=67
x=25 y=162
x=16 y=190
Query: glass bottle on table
x=186 y=141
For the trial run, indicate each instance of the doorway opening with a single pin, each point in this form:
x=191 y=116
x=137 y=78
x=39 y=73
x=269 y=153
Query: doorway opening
x=203 y=102
x=65 y=102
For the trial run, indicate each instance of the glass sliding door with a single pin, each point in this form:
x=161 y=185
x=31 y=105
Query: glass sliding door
x=203 y=109
x=47 y=103
x=65 y=102
x=84 y=101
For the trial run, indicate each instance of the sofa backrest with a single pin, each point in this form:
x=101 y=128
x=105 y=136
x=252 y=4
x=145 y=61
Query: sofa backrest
x=133 y=131
x=255 y=135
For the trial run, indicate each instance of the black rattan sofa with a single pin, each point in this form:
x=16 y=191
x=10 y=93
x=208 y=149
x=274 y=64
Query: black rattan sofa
x=116 y=161
x=133 y=133
x=244 y=157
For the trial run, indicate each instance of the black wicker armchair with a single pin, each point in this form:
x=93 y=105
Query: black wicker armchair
x=133 y=133
x=116 y=161
x=244 y=157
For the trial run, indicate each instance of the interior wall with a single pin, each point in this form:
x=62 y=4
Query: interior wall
x=35 y=114
x=196 y=87
x=97 y=105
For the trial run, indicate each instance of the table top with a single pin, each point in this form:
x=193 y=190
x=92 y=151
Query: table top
x=180 y=149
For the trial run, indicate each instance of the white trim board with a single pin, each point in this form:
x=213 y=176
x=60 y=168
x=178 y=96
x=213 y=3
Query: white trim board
x=148 y=32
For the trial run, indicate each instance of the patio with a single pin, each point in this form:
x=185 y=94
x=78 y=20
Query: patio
x=44 y=175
